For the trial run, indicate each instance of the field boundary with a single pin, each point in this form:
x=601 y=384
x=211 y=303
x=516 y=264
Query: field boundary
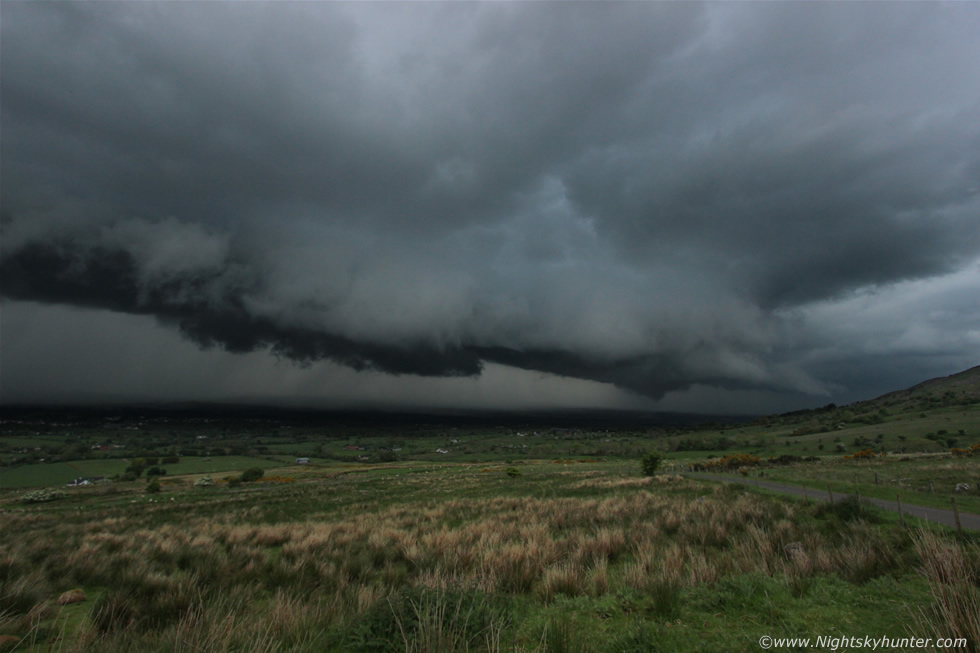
x=968 y=520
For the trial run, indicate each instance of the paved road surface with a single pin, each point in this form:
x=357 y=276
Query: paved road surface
x=967 y=519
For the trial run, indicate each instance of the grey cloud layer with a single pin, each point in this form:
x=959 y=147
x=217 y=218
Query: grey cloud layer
x=636 y=193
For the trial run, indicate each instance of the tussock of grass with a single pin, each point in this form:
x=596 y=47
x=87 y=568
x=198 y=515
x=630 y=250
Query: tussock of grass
x=953 y=572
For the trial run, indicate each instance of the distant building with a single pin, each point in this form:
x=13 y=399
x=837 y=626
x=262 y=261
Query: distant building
x=85 y=480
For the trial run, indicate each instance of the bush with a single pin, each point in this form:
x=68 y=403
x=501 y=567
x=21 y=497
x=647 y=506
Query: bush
x=387 y=457
x=204 y=481
x=156 y=471
x=651 y=462
x=153 y=487
x=513 y=472
x=848 y=510
x=252 y=474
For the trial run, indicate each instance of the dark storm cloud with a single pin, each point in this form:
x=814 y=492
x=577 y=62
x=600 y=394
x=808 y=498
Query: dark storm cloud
x=207 y=304
x=652 y=195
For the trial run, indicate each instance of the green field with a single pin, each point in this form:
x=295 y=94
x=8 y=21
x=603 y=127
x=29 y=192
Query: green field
x=61 y=473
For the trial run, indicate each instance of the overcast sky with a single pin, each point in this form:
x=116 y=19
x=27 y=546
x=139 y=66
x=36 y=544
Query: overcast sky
x=733 y=207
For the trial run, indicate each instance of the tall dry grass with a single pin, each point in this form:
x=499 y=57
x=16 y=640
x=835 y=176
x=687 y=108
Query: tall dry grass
x=953 y=572
x=211 y=580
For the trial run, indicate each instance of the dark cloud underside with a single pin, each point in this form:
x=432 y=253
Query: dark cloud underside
x=651 y=195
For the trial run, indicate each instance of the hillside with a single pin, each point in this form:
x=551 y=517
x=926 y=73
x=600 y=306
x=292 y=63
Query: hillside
x=963 y=387
x=960 y=389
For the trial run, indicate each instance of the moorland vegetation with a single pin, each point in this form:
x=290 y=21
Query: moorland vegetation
x=588 y=557
x=276 y=533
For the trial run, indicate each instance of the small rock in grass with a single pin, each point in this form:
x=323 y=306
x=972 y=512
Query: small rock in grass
x=793 y=550
x=72 y=596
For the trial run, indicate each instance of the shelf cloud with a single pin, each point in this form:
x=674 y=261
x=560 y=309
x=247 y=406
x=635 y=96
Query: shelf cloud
x=660 y=197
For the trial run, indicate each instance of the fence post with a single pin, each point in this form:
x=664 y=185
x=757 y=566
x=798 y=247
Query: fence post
x=956 y=517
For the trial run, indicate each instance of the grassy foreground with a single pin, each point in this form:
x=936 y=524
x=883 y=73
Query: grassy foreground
x=583 y=557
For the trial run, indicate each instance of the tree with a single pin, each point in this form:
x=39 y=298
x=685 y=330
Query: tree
x=252 y=474
x=387 y=456
x=651 y=462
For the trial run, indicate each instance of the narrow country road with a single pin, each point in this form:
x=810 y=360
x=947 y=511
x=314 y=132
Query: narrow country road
x=967 y=519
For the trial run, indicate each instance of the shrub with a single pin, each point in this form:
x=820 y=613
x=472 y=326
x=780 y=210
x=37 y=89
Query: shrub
x=866 y=453
x=153 y=487
x=732 y=461
x=204 y=481
x=849 y=509
x=651 y=462
x=252 y=474
x=156 y=471
x=513 y=472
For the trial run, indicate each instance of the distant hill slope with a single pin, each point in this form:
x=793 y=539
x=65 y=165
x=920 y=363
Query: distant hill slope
x=963 y=387
x=960 y=389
